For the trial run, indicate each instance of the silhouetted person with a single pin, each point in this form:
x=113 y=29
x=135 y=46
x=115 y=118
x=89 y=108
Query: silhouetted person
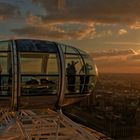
x=0 y=77
x=68 y=71
x=9 y=81
x=71 y=72
x=85 y=77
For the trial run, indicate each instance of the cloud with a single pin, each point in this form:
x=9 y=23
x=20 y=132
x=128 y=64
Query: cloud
x=123 y=43
x=84 y=14
x=50 y=5
x=112 y=53
x=134 y=57
x=70 y=19
x=8 y=11
x=135 y=26
x=122 y=32
x=56 y=30
x=120 y=11
x=104 y=34
x=118 y=62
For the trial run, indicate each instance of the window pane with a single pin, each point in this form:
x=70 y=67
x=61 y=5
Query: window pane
x=73 y=66
x=52 y=67
x=4 y=46
x=5 y=62
x=5 y=70
x=30 y=63
x=82 y=52
x=80 y=74
x=88 y=75
x=68 y=49
x=88 y=68
x=36 y=46
x=74 y=60
x=39 y=85
x=39 y=73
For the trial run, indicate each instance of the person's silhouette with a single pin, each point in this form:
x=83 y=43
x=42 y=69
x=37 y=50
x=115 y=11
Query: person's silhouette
x=71 y=72
x=0 y=76
x=85 y=77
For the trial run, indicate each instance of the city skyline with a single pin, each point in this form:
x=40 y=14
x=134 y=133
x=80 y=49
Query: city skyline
x=109 y=30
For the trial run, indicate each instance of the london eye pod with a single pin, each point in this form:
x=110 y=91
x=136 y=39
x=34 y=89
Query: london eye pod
x=41 y=74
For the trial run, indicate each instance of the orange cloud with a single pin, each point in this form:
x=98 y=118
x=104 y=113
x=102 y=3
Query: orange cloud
x=56 y=30
x=123 y=43
x=77 y=19
x=80 y=16
x=122 y=32
x=113 y=53
x=134 y=57
x=135 y=26
x=104 y=34
x=123 y=61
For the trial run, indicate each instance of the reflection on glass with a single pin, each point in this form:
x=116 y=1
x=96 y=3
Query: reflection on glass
x=80 y=72
x=87 y=75
x=26 y=45
x=39 y=73
x=5 y=69
x=4 y=46
x=39 y=85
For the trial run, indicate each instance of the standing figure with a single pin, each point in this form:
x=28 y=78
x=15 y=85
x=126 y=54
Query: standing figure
x=68 y=75
x=71 y=72
x=0 y=78
x=85 y=77
x=9 y=92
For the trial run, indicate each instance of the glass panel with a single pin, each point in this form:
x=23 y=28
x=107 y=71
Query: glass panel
x=5 y=69
x=30 y=63
x=81 y=73
x=73 y=66
x=75 y=62
x=68 y=49
x=39 y=73
x=39 y=85
x=52 y=66
x=4 y=46
x=36 y=46
x=82 y=52
x=5 y=62
x=88 y=74
x=89 y=68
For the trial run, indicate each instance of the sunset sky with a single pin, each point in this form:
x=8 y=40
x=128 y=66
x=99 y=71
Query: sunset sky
x=108 y=29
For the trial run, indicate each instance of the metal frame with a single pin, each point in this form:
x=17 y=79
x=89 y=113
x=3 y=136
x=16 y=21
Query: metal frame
x=62 y=79
x=15 y=77
x=29 y=125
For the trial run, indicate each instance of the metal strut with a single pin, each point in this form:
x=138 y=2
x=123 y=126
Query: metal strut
x=49 y=125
